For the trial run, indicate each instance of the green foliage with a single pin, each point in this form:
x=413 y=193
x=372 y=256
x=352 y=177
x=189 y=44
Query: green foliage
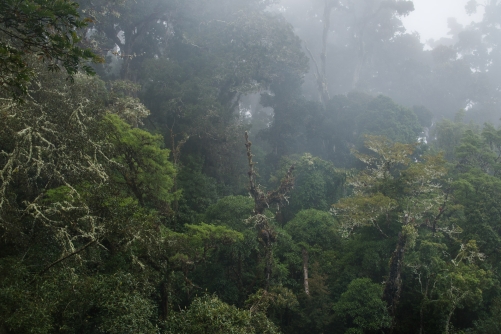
x=492 y=323
x=75 y=236
x=314 y=228
x=46 y=31
x=213 y=234
x=51 y=144
x=318 y=184
x=274 y=302
x=271 y=49
x=231 y=211
x=199 y=240
x=386 y=187
x=358 y=211
x=67 y=302
x=362 y=306
x=352 y=117
x=234 y=272
x=121 y=305
x=123 y=103
x=199 y=191
x=385 y=118
x=449 y=134
x=424 y=116
x=141 y=164
x=106 y=227
x=210 y=315
x=302 y=126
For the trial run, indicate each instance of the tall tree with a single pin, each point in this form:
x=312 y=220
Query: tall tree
x=394 y=190
x=262 y=201
x=347 y=35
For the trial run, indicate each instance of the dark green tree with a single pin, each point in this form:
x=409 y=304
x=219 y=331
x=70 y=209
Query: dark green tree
x=362 y=308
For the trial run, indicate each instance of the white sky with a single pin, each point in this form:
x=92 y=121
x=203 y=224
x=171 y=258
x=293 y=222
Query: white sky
x=429 y=18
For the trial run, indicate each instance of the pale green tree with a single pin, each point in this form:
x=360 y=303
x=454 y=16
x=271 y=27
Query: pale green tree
x=394 y=193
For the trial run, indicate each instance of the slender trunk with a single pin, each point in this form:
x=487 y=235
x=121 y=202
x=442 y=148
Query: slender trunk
x=448 y=321
x=325 y=34
x=127 y=52
x=360 y=59
x=241 y=291
x=175 y=157
x=391 y=294
x=322 y=80
x=126 y=57
x=320 y=72
x=165 y=301
x=421 y=309
x=269 y=265
x=305 y=271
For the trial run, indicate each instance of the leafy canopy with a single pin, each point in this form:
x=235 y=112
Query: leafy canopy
x=47 y=30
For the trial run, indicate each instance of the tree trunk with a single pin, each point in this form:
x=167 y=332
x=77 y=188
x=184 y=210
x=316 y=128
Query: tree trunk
x=165 y=301
x=391 y=294
x=262 y=201
x=322 y=80
x=360 y=59
x=269 y=265
x=421 y=309
x=305 y=271
x=356 y=73
x=448 y=321
x=241 y=292
x=126 y=58
x=320 y=73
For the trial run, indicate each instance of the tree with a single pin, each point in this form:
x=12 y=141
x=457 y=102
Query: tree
x=330 y=133
x=480 y=46
x=37 y=30
x=208 y=315
x=237 y=270
x=476 y=184
x=462 y=282
x=262 y=201
x=394 y=190
x=347 y=36
x=426 y=261
x=141 y=165
x=318 y=184
x=492 y=323
x=194 y=90
x=362 y=306
x=73 y=236
x=313 y=231
x=131 y=30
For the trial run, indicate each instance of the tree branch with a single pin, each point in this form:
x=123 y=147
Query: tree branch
x=63 y=258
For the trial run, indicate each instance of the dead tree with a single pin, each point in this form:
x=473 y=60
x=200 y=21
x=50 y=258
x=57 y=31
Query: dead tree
x=262 y=201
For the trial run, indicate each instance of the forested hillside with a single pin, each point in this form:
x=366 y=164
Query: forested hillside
x=247 y=166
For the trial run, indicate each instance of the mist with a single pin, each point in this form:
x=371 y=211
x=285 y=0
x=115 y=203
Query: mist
x=428 y=55
x=250 y=166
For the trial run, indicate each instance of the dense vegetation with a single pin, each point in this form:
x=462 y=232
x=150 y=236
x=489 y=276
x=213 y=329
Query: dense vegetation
x=196 y=169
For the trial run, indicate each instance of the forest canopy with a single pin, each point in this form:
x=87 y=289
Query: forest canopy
x=234 y=166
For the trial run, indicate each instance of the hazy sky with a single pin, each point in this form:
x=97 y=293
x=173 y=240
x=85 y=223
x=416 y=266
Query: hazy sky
x=429 y=18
